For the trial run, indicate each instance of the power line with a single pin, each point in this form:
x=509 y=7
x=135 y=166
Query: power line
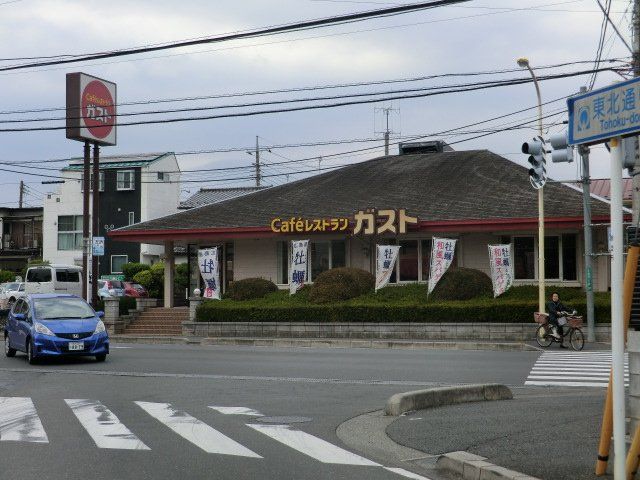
x=323 y=106
x=606 y=14
x=292 y=27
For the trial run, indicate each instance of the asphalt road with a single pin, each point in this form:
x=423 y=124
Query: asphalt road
x=145 y=412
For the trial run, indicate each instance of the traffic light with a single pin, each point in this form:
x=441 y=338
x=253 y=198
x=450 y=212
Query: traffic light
x=561 y=150
x=629 y=152
x=537 y=150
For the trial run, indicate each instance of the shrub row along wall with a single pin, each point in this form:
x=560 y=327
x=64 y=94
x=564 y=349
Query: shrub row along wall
x=454 y=312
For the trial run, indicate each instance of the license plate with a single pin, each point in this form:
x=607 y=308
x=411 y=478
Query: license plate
x=73 y=346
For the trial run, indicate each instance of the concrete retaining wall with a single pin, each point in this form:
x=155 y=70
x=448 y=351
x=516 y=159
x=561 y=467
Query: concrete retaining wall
x=406 y=331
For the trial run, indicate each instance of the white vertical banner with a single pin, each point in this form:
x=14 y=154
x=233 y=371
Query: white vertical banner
x=299 y=262
x=441 y=258
x=210 y=271
x=386 y=257
x=501 y=268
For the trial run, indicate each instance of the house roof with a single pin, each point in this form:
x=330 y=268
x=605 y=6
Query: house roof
x=602 y=188
x=460 y=187
x=207 y=196
x=122 y=161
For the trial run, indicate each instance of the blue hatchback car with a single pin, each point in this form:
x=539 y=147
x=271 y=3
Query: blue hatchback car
x=53 y=325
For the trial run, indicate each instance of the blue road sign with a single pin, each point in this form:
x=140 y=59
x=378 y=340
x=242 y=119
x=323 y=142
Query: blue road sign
x=599 y=115
x=98 y=246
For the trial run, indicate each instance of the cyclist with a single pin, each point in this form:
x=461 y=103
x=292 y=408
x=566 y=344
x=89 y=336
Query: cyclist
x=556 y=310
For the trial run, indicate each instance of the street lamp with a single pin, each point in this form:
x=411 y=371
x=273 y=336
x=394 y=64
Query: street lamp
x=524 y=63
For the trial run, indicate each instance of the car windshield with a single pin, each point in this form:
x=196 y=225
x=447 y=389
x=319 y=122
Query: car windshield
x=62 y=308
x=137 y=286
x=116 y=284
x=11 y=287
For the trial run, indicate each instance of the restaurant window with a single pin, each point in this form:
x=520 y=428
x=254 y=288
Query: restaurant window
x=228 y=263
x=552 y=257
x=282 y=254
x=569 y=257
x=70 y=232
x=408 y=260
x=320 y=258
x=117 y=261
x=426 y=258
x=524 y=258
x=338 y=254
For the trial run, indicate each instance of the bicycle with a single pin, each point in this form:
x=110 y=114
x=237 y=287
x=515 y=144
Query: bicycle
x=571 y=329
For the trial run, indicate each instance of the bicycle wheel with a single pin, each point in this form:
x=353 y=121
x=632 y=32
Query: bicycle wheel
x=576 y=339
x=542 y=336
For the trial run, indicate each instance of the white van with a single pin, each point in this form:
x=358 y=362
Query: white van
x=54 y=279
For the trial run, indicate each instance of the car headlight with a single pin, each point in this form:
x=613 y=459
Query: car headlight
x=40 y=328
x=99 y=328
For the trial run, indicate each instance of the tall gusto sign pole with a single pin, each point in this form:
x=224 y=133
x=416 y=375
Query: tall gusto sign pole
x=91 y=118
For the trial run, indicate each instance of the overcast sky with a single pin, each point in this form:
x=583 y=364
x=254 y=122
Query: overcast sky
x=478 y=35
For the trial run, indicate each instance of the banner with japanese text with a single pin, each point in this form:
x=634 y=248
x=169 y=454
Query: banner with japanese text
x=210 y=271
x=299 y=257
x=501 y=268
x=385 y=263
x=441 y=258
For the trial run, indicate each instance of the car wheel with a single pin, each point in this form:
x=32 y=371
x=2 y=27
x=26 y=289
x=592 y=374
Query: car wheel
x=8 y=351
x=101 y=358
x=11 y=302
x=30 y=355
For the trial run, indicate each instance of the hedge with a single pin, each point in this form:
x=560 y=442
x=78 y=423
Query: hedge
x=250 y=288
x=486 y=310
x=341 y=283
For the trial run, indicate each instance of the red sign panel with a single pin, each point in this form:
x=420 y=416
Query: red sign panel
x=91 y=109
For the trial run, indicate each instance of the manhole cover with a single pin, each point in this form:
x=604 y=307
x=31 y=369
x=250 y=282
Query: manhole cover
x=284 y=420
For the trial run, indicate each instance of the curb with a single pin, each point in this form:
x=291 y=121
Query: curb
x=436 y=397
x=326 y=343
x=475 y=467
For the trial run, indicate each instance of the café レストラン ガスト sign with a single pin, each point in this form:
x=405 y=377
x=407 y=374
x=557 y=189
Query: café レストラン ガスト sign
x=367 y=222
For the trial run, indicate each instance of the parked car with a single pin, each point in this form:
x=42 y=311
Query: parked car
x=135 y=290
x=54 y=279
x=110 y=288
x=42 y=325
x=10 y=293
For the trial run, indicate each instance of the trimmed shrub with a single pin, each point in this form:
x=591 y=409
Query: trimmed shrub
x=181 y=279
x=152 y=281
x=7 y=276
x=477 y=311
x=250 y=288
x=340 y=284
x=463 y=284
x=132 y=268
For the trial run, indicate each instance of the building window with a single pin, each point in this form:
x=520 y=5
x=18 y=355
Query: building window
x=282 y=254
x=228 y=263
x=524 y=258
x=132 y=218
x=408 y=260
x=327 y=255
x=569 y=257
x=426 y=258
x=100 y=185
x=338 y=254
x=117 y=261
x=162 y=176
x=70 y=232
x=125 y=180
x=560 y=257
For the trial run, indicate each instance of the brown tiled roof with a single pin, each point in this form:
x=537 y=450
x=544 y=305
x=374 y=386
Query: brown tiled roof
x=448 y=186
x=207 y=196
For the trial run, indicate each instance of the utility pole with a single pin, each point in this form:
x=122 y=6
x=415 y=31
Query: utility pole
x=21 y=198
x=386 y=132
x=257 y=162
x=635 y=44
x=588 y=241
x=95 y=228
x=85 y=218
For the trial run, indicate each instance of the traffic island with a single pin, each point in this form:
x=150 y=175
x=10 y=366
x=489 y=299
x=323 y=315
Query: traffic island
x=436 y=397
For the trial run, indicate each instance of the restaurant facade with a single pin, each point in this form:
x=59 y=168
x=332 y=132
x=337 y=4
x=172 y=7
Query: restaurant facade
x=476 y=197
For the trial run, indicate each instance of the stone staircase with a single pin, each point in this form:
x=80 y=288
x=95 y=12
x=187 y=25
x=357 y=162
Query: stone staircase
x=158 y=321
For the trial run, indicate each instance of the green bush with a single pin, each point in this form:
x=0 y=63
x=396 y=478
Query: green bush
x=341 y=284
x=250 y=288
x=181 y=280
x=480 y=310
x=152 y=278
x=132 y=268
x=463 y=284
x=7 y=276
x=152 y=282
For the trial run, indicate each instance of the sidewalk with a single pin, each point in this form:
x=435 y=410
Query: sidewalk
x=550 y=434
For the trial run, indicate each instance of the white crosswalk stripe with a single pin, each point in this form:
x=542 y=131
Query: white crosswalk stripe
x=311 y=446
x=578 y=369
x=19 y=421
x=199 y=433
x=103 y=426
